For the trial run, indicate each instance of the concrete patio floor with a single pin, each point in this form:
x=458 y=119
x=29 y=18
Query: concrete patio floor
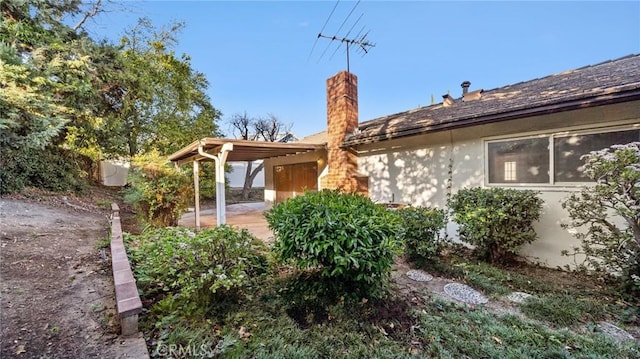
x=241 y=215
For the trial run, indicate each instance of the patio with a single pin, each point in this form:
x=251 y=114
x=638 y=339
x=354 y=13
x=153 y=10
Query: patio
x=241 y=215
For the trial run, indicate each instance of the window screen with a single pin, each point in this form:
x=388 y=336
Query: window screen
x=519 y=161
x=568 y=150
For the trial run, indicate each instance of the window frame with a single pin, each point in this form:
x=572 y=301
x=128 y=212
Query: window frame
x=551 y=136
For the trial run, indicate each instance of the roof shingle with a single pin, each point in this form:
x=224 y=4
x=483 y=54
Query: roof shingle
x=608 y=82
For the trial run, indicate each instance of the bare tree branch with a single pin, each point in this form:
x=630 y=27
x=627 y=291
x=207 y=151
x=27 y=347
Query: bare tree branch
x=241 y=126
x=89 y=14
x=268 y=129
x=271 y=129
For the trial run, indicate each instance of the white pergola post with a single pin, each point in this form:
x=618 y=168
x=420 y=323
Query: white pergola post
x=196 y=186
x=220 y=159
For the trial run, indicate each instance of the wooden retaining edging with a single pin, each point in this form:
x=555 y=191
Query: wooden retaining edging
x=127 y=298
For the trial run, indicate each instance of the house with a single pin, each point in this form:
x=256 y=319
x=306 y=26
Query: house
x=526 y=135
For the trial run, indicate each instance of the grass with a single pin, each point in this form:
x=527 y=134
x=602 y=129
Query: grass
x=103 y=242
x=274 y=319
x=563 y=310
x=491 y=279
x=455 y=331
x=104 y=203
x=561 y=299
x=276 y=322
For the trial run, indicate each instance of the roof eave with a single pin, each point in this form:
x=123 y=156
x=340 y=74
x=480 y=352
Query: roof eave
x=177 y=156
x=190 y=152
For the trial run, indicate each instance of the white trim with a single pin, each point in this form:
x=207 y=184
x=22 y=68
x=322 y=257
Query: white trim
x=630 y=123
x=552 y=161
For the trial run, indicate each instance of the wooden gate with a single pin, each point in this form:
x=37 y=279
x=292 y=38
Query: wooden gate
x=295 y=179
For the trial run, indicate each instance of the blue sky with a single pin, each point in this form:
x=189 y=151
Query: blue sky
x=257 y=54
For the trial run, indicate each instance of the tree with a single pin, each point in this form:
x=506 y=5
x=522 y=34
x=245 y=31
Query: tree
x=269 y=129
x=159 y=100
x=610 y=246
x=46 y=87
x=42 y=70
x=65 y=93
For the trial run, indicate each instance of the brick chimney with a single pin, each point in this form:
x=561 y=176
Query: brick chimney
x=342 y=119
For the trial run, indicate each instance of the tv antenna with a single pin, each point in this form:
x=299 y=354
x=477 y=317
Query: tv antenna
x=361 y=42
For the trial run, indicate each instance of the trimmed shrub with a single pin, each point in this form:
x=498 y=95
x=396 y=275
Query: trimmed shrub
x=422 y=231
x=348 y=240
x=195 y=267
x=159 y=190
x=497 y=221
x=608 y=245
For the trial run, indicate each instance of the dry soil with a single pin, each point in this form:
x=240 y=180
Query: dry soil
x=57 y=297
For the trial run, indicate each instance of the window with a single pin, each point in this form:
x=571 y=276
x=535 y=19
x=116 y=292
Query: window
x=510 y=173
x=530 y=160
x=519 y=161
x=567 y=151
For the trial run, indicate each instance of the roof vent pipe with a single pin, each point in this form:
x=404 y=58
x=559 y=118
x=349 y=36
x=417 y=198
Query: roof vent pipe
x=465 y=87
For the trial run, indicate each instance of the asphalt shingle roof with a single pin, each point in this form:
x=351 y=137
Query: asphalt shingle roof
x=608 y=82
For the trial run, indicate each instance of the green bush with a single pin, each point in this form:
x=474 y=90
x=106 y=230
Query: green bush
x=195 y=267
x=346 y=238
x=159 y=190
x=497 y=221
x=610 y=247
x=422 y=231
x=52 y=168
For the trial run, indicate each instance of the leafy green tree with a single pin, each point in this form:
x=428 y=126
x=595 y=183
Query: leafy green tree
x=62 y=91
x=161 y=103
x=42 y=73
x=610 y=244
x=45 y=88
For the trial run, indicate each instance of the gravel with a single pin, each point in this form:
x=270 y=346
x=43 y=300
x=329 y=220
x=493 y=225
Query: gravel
x=419 y=275
x=615 y=332
x=464 y=293
x=519 y=297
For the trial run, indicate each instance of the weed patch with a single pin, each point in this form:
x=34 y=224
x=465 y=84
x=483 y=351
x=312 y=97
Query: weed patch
x=563 y=310
x=450 y=330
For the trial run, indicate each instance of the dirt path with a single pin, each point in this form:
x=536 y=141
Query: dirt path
x=435 y=287
x=57 y=298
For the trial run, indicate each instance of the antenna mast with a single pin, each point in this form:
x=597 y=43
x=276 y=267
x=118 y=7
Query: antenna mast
x=361 y=42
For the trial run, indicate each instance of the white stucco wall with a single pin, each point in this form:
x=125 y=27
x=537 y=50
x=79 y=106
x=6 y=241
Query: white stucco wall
x=235 y=177
x=114 y=173
x=414 y=170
